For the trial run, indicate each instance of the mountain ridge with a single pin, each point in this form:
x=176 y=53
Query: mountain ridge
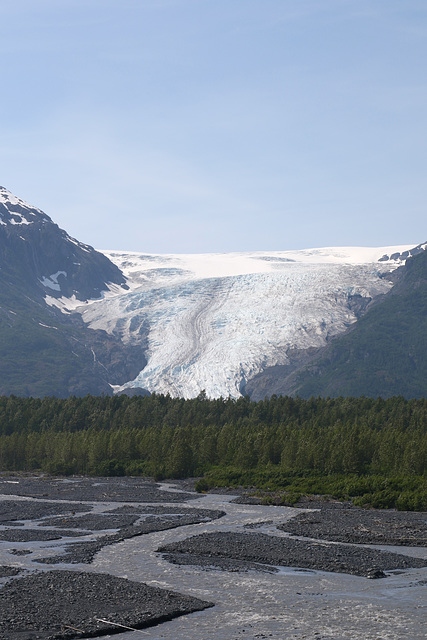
x=45 y=352
x=60 y=265
x=75 y=320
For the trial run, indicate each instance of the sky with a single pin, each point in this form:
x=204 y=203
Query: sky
x=187 y=126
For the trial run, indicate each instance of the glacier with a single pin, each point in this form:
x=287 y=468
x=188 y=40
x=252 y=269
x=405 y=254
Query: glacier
x=211 y=322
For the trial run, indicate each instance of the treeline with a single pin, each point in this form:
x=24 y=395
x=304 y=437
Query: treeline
x=268 y=443
x=18 y=414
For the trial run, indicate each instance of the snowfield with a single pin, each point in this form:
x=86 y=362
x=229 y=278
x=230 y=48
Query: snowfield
x=213 y=321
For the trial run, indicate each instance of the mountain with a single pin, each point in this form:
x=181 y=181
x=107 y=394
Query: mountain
x=323 y=321
x=36 y=254
x=383 y=354
x=44 y=351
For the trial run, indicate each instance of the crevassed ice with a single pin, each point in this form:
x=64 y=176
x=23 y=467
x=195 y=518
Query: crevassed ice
x=213 y=321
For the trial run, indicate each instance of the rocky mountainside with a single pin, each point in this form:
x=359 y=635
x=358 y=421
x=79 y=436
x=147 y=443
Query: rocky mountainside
x=36 y=254
x=44 y=351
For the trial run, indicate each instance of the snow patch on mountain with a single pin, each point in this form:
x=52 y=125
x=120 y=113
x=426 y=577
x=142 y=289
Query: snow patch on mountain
x=16 y=211
x=64 y=304
x=52 y=281
x=18 y=219
x=47 y=326
x=84 y=247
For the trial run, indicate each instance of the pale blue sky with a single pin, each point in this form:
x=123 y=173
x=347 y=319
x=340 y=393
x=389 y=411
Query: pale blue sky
x=218 y=125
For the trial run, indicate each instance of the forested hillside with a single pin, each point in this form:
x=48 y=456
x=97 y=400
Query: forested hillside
x=374 y=449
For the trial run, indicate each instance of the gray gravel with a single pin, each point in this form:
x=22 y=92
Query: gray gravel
x=91 y=489
x=287 y=552
x=209 y=514
x=211 y=562
x=59 y=605
x=94 y=522
x=39 y=535
x=12 y=511
x=359 y=526
x=8 y=571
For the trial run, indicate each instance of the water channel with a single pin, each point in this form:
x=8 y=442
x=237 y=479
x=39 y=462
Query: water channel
x=290 y=604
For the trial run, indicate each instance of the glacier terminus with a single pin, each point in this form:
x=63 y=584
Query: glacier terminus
x=211 y=322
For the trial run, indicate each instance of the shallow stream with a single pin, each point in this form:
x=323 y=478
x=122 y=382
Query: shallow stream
x=289 y=604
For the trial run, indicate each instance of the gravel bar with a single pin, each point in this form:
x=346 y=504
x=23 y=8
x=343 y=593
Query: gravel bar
x=287 y=552
x=8 y=571
x=359 y=526
x=38 y=535
x=92 y=521
x=60 y=605
x=90 y=489
x=13 y=511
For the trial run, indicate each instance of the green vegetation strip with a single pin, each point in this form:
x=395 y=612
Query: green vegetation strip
x=371 y=451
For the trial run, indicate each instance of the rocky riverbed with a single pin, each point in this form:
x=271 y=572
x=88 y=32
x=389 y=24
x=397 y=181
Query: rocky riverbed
x=87 y=489
x=360 y=526
x=68 y=604
x=212 y=549
x=270 y=572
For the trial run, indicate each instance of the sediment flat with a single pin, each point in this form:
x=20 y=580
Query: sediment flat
x=361 y=526
x=13 y=511
x=34 y=535
x=90 y=489
x=60 y=605
x=8 y=571
x=286 y=552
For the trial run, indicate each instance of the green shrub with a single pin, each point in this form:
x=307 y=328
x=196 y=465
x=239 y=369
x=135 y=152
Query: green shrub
x=202 y=485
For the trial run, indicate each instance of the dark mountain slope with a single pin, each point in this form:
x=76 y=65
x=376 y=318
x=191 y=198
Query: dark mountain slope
x=34 y=251
x=43 y=351
x=383 y=354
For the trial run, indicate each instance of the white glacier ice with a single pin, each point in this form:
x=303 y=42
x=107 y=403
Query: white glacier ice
x=213 y=321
